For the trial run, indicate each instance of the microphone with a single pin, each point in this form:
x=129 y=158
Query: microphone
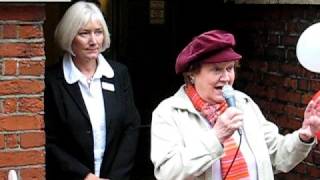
x=228 y=94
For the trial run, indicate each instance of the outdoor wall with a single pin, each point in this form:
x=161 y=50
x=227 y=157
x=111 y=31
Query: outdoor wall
x=21 y=90
x=270 y=72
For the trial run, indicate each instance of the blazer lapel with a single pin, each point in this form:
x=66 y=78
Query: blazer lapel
x=75 y=92
x=109 y=98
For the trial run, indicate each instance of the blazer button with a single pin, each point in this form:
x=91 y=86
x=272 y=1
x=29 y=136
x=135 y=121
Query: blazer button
x=88 y=131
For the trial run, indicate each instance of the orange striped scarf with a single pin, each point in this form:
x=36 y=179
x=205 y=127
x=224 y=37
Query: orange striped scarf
x=239 y=169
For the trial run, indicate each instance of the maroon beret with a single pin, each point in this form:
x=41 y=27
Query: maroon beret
x=210 y=47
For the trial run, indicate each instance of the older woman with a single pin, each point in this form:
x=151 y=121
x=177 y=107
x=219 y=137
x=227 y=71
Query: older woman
x=91 y=121
x=195 y=135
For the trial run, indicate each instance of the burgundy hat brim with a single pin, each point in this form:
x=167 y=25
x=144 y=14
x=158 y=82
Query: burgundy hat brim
x=225 y=55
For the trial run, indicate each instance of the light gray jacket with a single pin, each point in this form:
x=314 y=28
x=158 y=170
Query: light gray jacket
x=184 y=147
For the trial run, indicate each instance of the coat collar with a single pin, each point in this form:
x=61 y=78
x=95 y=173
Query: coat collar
x=182 y=101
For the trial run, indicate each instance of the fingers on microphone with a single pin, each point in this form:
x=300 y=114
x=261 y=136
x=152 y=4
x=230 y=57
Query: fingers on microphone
x=233 y=112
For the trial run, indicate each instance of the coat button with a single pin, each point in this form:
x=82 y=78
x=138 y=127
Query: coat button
x=88 y=131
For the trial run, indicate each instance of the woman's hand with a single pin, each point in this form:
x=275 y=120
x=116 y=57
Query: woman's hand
x=311 y=122
x=228 y=122
x=91 y=176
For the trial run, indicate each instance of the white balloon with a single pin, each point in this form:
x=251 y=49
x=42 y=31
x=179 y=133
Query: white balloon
x=308 y=48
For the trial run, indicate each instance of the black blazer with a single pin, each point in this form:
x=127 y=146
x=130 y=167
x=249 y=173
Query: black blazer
x=69 y=137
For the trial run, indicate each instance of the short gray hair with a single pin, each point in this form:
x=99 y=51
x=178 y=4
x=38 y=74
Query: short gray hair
x=77 y=16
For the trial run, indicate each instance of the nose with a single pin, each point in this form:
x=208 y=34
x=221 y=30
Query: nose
x=225 y=76
x=93 y=39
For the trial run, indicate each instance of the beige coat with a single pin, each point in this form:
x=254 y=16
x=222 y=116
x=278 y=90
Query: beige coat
x=184 y=147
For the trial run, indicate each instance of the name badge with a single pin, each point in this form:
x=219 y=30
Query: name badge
x=107 y=86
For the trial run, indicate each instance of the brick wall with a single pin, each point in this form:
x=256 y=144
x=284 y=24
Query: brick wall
x=270 y=72
x=21 y=90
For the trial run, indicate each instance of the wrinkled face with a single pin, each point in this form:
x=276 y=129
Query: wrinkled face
x=211 y=78
x=87 y=43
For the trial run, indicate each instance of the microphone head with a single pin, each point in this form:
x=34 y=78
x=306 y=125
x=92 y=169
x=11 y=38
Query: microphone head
x=227 y=91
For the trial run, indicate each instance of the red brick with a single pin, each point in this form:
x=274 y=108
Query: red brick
x=3 y=174
x=294 y=122
x=1 y=31
x=275 y=107
x=276 y=26
x=294 y=110
x=290 y=83
x=290 y=40
x=296 y=27
x=258 y=64
x=272 y=80
x=285 y=95
x=10 y=67
x=309 y=158
x=21 y=49
x=10 y=105
x=22 y=13
x=32 y=139
x=313 y=171
x=30 y=105
x=291 y=69
x=21 y=158
x=282 y=121
x=22 y=22
x=1 y=68
x=2 y=143
x=314 y=85
x=271 y=93
x=30 y=31
x=35 y=68
x=291 y=54
x=20 y=122
x=21 y=87
x=1 y=106
x=316 y=157
x=33 y=173
x=303 y=84
x=306 y=97
x=12 y=140
x=9 y=31
x=273 y=66
x=255 y=90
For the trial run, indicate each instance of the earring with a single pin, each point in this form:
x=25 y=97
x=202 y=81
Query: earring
x=191 y=79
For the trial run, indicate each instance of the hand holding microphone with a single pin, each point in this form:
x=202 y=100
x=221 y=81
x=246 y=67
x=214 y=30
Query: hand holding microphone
x=228 y=94
x=231 y=119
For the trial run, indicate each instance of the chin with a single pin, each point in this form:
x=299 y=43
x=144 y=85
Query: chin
x=93 y=57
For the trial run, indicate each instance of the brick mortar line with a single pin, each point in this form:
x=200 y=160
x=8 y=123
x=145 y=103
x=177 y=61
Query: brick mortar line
x=15 y=22
x=35 y=40
x=21 y=96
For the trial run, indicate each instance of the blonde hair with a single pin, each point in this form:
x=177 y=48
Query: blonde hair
x=77 y=16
